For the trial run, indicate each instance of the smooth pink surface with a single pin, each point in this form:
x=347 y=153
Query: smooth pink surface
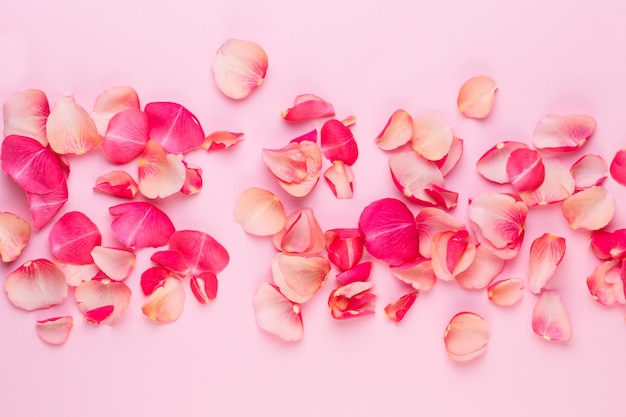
x=368 y=59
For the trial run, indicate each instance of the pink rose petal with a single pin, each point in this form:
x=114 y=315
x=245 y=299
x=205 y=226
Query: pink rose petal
x=432 y=136
x=605 y=284
x=26 y=114
x=174 y=127
x=448 y=162
x=201 y=252
x=413 y=174
x=73 y=237
x=352 y=300
x=618 y=167
x=14 y=235
x=36 y=284
x=111 y=102
x=54 y=330
x=492 y=165
x=239 y=68
x=117 y=183
x=43 y=207
x=588 y=171
x=442 y=197
x=302 y=234
x=506 y=292
x=310 y=136
x=204 y=287
x=344 y=246
x=398 y=309
x=550 y=319
x=485 y=267
x=525 y=169
x=397 y=131
x=70 y=129
x=558 y=185
x=126 y=136
x=590 y=209
x=418 y=273
x=467 y=336
x=260 y=212
x=452 y=254
x=340 y=178
x=601 y=243
x=296 y=166
x=476 y=96
x=276 y=314
x=546 y=253
x=99 y=293
x=431 y=220
x=98 y=315
x=171 y=260
x=307 y=107
x=116 y=263
x=360 y=272
x=76 y=274
x=153 y=278
x=563 y=133
x=193 y=179
x=349 y=121
x=221 y=139
x=161 y=174
x=166 y=303
x=337 y=142
x=299 y=277
x=140 y=225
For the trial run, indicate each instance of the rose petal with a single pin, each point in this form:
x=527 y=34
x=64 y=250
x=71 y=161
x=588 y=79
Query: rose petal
x=14 y=235
x=344 y=246
x=73 y=237
x=302 y=234
x=452 y=254
x=618 y=167
x=111 y=102
x=204 y=287
x=485 y=267
x=558 y=185
x=99 y=293
x=525 y=169
x=140 y=225
x=442 y=197
x=413 y=174
x=193 y=179
x=476 y=97
x=307 y=107
x=116 y=263
x=222 y=139
x=546 y=253
x=54 y=330
x=200 y=251
x=352 y=300
x=467 y=336
x=239 y=67
x=117 y=183
x=99 y=314
x=26 y=114
x=398 y=309
x=160 y=174
x=397 y=131
x=166 y=303
x=550 y=319
x=601 y=243
x=310 y=136
x=588 y=171
x=590 y=209
x=605 y=284
x=70 y=130
x=259 y=212
x=126 y=136
x=153 y=278
x=360 y=272
x=43 y=207
x=75 y=274
x=448 y=162
x=340 y=178
x=506 y=292
x=337 y=142
x=349 y=121
x=563 y=133
x=174 y=127
x=431 y=220
x=276 y=314
x=299 y=277
x=36 y=284
x=492 y=165
x=296 y=166
x=418 y=273
x=432 y=136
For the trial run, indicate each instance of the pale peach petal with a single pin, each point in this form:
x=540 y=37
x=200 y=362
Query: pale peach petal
x=174 y=127
x=140 y=225
x=26 y=114
x=558 y=185
x=111 y=102
x=590 y=209
x=550 y=319
x=448 y=162
x=36 y=284
x=417 y=273
x=397 y=131
x=492 y=165
x=546 y=253
x=605 y=284
x=116 y=263
x=389 y=231
x=99 y=293
x=259 y=212
x=200 y=251
x=352 y=300
x=506 y=292
x=563 y=133
x=43 y=207
x=117 y=183
x=467 y=336
x=70 y=129
x=75 y=274
x=337 y=142
x=349 y=121
x=73 y=237
x=525 y=169
x=153 y=278
x=476 y=96
x=307 y=107
x=432 y=136
x=54 y=330
x=204 y=287
x=161 y=174
x=432 y=220
x=193 y=179
x=344 y=247
x=452 y=254
x=398 y=309
x=618 y=166
x=14 y=235
x=413 y=174
x=126 y=136
x=239 y=67
x=276 y=314
x=166 y=303
x=588 y=171
x=302 y=234
x=485 y=267
x=340 y=178
x=299 y=277
x=222 y=139
x=296 y=166
x=360 y=272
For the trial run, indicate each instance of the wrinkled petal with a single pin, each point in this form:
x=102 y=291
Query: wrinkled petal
x=352 y=300
x=14 y=235
x=590 y=209
x=99 y=293
x=43 y=207
x=525 y=169
x=204 y=287
x=200 y=251
x=432 y=136
x=239 y=67
x=160 y=174
x=70 y=129
x=337 y=142
x=476 y=96
x=418 y=273
x=299 y=277
x=111 y=102
x=54 y=330
x=116 y=263
x=550 y=319
x=36 y=284
x=563 y=133
x=153 y=278
x=360 y=272
x=260 y=212
x=340 y=178
x=276 y=314
x=73 y=237
x=344 y=247
x=485 y=267
x=126 y=136
x=296 y=166
x=588 y=171
x=398 y=309
x=452 y=254
x=506 y=292
x=467 y=336
x=140 y=225
x=397 y=131
x=557 y=185
x=26 y=114
x=166 y=303
x=448 y=162
x=75 y=274
x=605 y=284
x=117 y=183
x=307 y=107
x=389 y=231
x=222 y=139
x=492 y=165
x=432 y=220
x=618 y=167
x=546 y=253
x=174 y=127
x=302 y=234
x=413 y=174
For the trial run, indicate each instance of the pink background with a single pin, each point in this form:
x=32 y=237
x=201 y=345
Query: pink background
x=367 y=58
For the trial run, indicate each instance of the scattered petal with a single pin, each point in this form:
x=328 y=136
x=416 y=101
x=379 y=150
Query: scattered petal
x=448 y=162
x=418 y=273
x=525 y=169
x=117 y=183
x=452 y=254
x=360 y=272
x=307 y=107
x=352 y=300
x=601 y=243
x=296 y=166
x=166 y=303
x=222 y=139
x=484 y=269
x=259 y=212
x=153 y=278
x=563 y=133
x=299 y=277
x=557 y=185
x=111 y=102
x=276 y=314
x=200 y=251
x=605 y=284
x=550 y=319
x=340 y=178
x=126 y=136
x=344 y=246
x=302 y=234
x=75 y=274
x=140 y=225
x=73 y=237
x=193 y=179
x=442 y=197
x=397 y=131
x=174 y=127
x=36 y=284
x=54 y=330
x=467 y=336
x=43 y=207
x=161 y=174
x=546 y=253
x=14 y=235
x=492 y=165
x=590 y=209
x=413 y=174
x=26 y=114
x=432 y=220
x=349 y=121
x=337 y=142
x=102 y=293
x=310 y=136
x=588 y=171
x=618 y=167
x=70 y=129
x=204 y=287
x=398 y=309
x=476 y=97
x=239 y=68
x=506 y=292
x=99 y=314
x=116 y=263
x=432 y=136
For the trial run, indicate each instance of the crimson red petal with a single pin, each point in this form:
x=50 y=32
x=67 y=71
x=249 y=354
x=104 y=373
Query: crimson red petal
x=153 y=278
x=204 y=287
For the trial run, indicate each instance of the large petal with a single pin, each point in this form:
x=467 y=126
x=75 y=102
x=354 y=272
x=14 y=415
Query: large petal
x=73 y=237
x=239 y=67
x=413 y=175
x=466 y=336
x=476 y=96
x=590 y=209
x=260 y=212
x=397 y=132
x=43 y=207
x=36 y=284
x=492 y=165
x=563 y=133
x=111 y=102
x=54 y=330
x=174 y=127
x=344 y=247
x=558 y=184
x=200 y=251
x=302 y=234
x=485 y=267
x=276 y=314
x=337 y=142
x=70 y=129
x=116 y=263
x=140 y=225
x=161 y=174
x=117 y=183
x=432 y=136
x=299 y=277
x=166 y=303
x=307 y=107
x=588 y=171
x=99 y=293
x=14 y=235
x=26 y=114
x=550 y=319
x=126 y=136
x=546 y=253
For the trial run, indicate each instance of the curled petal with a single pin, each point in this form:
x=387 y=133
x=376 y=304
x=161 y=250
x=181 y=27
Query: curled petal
x=452 y=254
x=126 y=136
x=397 y=132
x=467 y=336
x=344 y=246
x=111 y=102
x=397 y=310
x=276 y=314
x=546 y=253
x=98 y=315
x=340 y=178
x=605 y=284
x=492 y=165
x=296 y=166
x=140 y=225
x=200 y=251
x=166 y=303
x=26 y=114
x=36 y=284
x=525 y=169
x=75 y=274
x=70 y=129
x=302 y=234
x=160 y=174
x=239 y=67
x=432 y=136
x=153 y=278
x=117 y=183
x=337 y=142
x=259 y=212
x=558 y=184
x=484 y=268
x=307 y=107
x=222 y=139
x=100 y=293
x=389 y=231
x=299 y=277
x=431 y=220
x=360 y=272
x=43 y=207
x=193 y=179
x=563 y=133
x=476 y=97
x=550 y=319
x=204 y=287
x=442 y=197
x=418 y=273
x=588 y=171
x=352 y=300
x=413 y=174
x=54 y=330
x=14 y=235
x=590 y=209
x=448 y=162
x=618 y=167
x=116 y=263
x=174 y=127
x=506 y=292
x=73 y=237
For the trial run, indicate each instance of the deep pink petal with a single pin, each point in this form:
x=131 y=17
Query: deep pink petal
x=431 y=220
x=70 y=129
x=75 y=274
x=492 y=165
x=352 y=300
x=558 y=185
x=413 y=174
x=140 y=225
x=588 y=171
x=601 y=243
x=99 y=293
x=14 y=235
x=153 y=278
x=546 y=253
x=550 y=319
x=432 y=136
x=389 y=231
x=193 y=179
x=222 y=139
x=299 y=277
x=117 y=183
x=476 y=96
x=260 y=212
x=605 y=284
x=590 y=209
x=452 y=254
x=397 y=132
x=337 y=142
x=344 y=247
x=171 y=260
x=310 y=136
x=161 y=174
x=36 y=284
x=563 y=133
x=116 y=263
x=276 y=314
x=302 y=234
x=73 y=237
x=54 y=330
x=618 y=167
x=43 y=207
x=618 y=244
x=174 y=127
x=360 y=272
x=506 y=292
x=307 y=107
x=525 y=169
x=204 y=287
x=296 y=166
x=340 y=178
x=98 y=315
x=239 y=68
x=26 y=114
x=166 y=303
x=467 y=336
x=126 y=136
x=448 y=162
x=201 y=252
x=418 y=273
x=398 y=309
x=111 y=102
x=485 y=267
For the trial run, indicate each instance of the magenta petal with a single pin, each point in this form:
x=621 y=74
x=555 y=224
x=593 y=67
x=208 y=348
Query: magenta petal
x=171 y=260
x=204 y=287
x=140 y=225
x=525 y=169
x=43 y=207
x=338 y=143
x=201 y=252
x=310 y=136
x=126 y=136
x=153 y=278
x=73 y=237
x=344 y=246
x=98 y=315
x=389 y=231
x=360 y=272
x=175 y=127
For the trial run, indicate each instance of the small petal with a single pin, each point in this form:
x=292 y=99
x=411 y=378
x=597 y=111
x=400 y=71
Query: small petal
x=204 y=287
x=590 y=209
x=546 y=253
x=431 y=220
x=126 y=136
x=99 y=314
x=174 y=127
x=340 y=178
x=360 y=272
x=259 y=212
x=193 y=179
x=601 y=243
x=448 y=162
x=485 y=267
x=506 y=292
x=222 y=139
x=452 y=254
x=397 y=132
x=54 y=330
x=299 y=277
x=310 y=136
x=239 y=67
x=352 y=300
x=166 y=303
x=467 y=336
x=605 y=284
x=337 y=142
x=492 y=165
x=563 y=133
x=618 y=167
x=140 y=225
x=111 y=102
x=588 y=171
x=398 y=309
x=349 y=121
x=525 y=169
x=200 y=251
x=73 y=237
x=116 y=263
x=418 y=273
x=160 y=174
x=557 y=185
x=442 y=197
x=100 y=293
x=307 y=107
x=70 y=129
x=43 y=207
x=117 y=183
x=36 y=284
x=344 y=246
x=476 y=97
x=550 y=319
x=14 y=235
x=276 y=314
x=76 y=274
x=26 y=114
x=302 y=234
x=296 y=166
x=153 y=278
x=413 y=174
x=432 y=136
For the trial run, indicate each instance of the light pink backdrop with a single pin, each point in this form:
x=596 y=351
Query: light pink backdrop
x=368 y=58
